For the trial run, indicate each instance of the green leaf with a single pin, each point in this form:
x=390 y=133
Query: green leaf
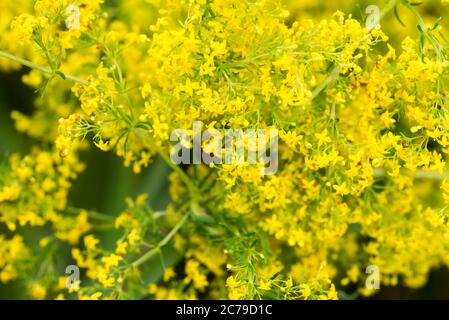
x=436 y=24
x=41 y=91
x=422 y=41
x=62 y=75
x=415 y=4
x=277 y=274
x=420 y=29
x=396 y=14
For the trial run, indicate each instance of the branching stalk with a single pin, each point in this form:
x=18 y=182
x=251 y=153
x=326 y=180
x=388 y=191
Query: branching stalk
x=163 y=242
x=40 y=68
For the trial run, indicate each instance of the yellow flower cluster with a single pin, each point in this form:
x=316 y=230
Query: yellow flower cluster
x=13 y=258
x=363 y=140
x=35 y=188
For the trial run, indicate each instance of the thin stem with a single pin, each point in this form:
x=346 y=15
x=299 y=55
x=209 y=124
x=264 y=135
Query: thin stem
x=184 y=177
x=163 y=242
x=390 y=6
x=92 y=214
x=194 y=203
x=331 y=78
x=193 y=190
x=434 y=42
x=40 y=68
x=194 y=200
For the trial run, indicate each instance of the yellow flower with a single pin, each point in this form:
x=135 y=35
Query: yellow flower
x=91 y=242
x=133 y=237
x=305 y=291
x=102 y=145
x=341 y=189
x=231 y=282
x=111 y=261
x=37 y=291
x=332 y=293
x=169 y=273
x=265 y=285
x=194 y=275
x=322 y=137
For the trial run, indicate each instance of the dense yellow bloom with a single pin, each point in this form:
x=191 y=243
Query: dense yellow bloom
x=363 y=141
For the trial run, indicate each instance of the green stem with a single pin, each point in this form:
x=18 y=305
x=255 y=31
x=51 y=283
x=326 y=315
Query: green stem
x=331 y=78
x=184 y=177
x=390 y=6
x=194 y=203
x=193 y=190
x=163 y=242
x=40 y=68
x=91 y=214
x=433 y=41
